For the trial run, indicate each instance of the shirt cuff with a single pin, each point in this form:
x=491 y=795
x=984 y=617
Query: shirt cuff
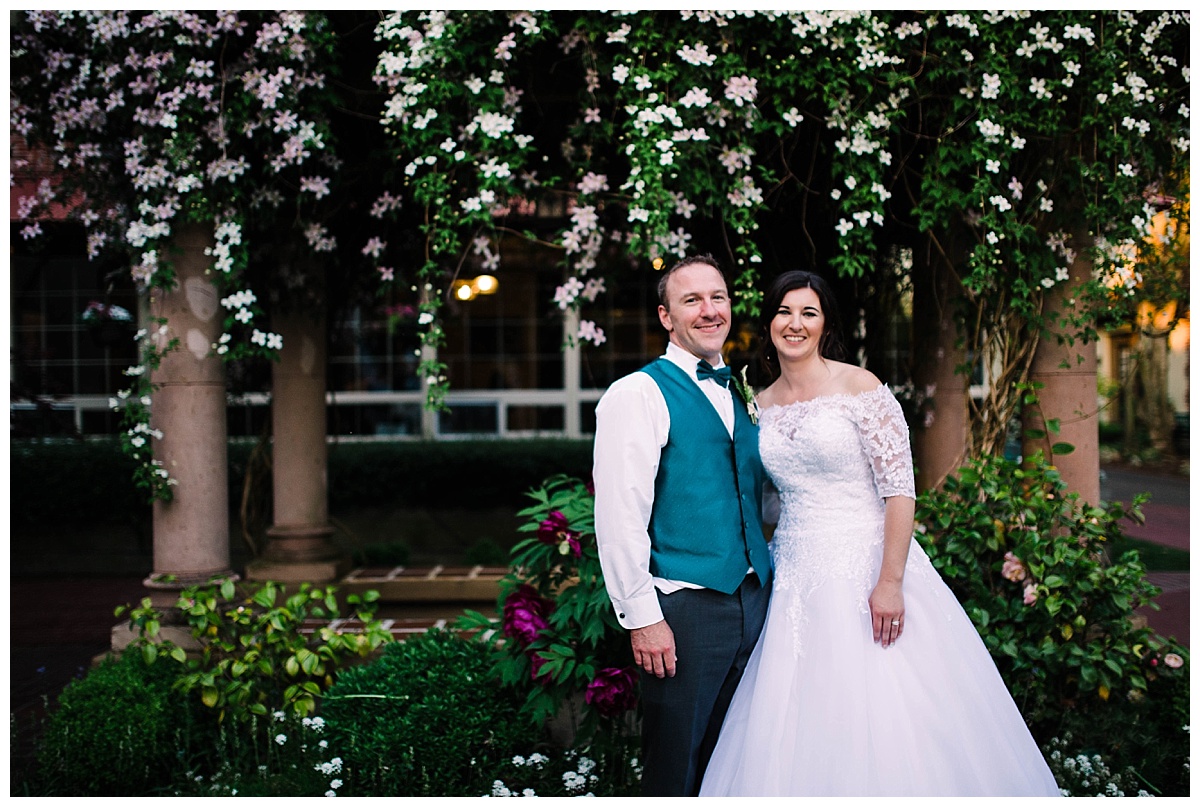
x=639 y=611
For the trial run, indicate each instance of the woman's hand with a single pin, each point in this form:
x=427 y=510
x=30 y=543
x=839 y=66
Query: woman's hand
x=887 y=612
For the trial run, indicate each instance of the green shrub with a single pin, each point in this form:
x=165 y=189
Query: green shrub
x=119 y=730
x=1031 y=566
x=561 y=640
x=435 y=474
x=391 y=553
x=405 y=473
x=428 y=718
x=256 y=655
x=98 y=475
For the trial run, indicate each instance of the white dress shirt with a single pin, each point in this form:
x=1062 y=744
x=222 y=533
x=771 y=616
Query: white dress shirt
x=632 y=425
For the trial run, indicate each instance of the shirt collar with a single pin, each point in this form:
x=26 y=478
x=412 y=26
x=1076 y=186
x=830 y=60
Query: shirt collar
x=686 y=361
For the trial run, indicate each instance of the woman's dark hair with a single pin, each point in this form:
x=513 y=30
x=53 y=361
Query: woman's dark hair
x=830 y=345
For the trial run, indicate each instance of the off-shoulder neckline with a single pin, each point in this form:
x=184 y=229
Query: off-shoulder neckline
x=831 y=396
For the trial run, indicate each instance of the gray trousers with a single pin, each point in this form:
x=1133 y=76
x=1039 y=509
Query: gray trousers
x=681 y=716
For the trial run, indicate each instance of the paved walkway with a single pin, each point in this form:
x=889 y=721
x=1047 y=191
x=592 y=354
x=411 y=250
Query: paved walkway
x=59 y=625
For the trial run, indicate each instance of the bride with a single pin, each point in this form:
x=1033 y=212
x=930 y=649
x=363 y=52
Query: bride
x=868 y=678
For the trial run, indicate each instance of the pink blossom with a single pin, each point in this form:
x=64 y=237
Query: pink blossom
x=386 y=273
x=1014 y=568
x=1173 y=660
x=374 y=247
x=1031 y=594
x=741 y=89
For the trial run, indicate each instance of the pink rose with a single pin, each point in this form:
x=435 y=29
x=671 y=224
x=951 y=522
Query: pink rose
x=1173 y=660
x=612 y=692
x=1014 y=568
x=525 y=614
x=1031 y=594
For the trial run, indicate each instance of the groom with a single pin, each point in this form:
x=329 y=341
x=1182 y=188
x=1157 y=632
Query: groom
x=679 y=527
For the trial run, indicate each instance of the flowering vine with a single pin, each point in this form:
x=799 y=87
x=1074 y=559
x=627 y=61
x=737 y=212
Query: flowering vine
x=1034 y=137
x=1011 y=143
x=156 y=119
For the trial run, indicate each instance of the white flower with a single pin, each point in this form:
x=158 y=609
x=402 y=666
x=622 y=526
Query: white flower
x=741 y=90
x=990 y=131
x=589 y=332
x=991 y=85
x=697 y=55
x=1001 y=203
x=493 y=124
x=280 y=739
x=844 y=226
x=620 y=73
x=793 y=117
x=992 y=166
x=1046 y=204
x=696 y=97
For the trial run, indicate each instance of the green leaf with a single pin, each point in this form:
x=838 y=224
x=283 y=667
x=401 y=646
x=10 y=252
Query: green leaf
x=1062 y=448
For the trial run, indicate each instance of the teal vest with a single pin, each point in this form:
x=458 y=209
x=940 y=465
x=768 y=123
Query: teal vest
x=706 y=525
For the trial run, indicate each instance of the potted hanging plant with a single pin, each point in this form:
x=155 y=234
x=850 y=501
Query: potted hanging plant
x=108 y=324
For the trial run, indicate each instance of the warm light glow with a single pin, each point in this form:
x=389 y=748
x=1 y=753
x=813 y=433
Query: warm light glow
x=485 y=284
x=658 y=264
x=464 y=292
x=1181 y=337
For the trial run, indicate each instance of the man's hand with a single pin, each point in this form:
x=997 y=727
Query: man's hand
x=654 y=648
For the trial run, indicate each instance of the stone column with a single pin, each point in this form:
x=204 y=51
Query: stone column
x=191 y=532
x=299 y=546
x=940 y=435
x=1069 y=395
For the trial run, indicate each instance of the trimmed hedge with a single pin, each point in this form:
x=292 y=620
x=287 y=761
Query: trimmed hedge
x=97 y=478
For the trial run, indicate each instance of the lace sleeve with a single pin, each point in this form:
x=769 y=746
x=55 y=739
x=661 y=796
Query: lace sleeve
x=884 y=437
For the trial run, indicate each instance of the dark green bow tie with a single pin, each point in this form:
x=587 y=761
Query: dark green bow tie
x=705 y=370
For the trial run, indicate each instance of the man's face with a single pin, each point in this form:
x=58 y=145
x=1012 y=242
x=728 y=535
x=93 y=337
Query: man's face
x=698 y=313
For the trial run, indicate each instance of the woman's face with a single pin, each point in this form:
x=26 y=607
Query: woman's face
x=797 y=325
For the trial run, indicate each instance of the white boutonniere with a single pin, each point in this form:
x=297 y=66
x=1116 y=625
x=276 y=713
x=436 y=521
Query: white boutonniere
x=747 y=395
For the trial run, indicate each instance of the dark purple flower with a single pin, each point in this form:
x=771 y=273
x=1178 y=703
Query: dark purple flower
x=612 y=692
x=525 y=614
x=556 y=531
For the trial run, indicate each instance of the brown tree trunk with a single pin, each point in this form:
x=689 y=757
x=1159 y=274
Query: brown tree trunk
x=940 y=396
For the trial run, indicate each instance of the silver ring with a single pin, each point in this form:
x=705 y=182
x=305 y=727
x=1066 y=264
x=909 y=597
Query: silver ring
x=895 y=621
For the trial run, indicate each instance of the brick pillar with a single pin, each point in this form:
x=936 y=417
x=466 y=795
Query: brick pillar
x=191 y=532
x=299 y=548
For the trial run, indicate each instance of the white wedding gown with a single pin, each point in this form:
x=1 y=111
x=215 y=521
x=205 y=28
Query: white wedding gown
x=824 y=710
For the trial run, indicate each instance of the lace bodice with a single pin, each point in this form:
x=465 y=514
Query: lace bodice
x=834 y=460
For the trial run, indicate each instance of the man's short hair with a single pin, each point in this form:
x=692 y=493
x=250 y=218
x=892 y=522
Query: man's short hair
x=707 y=260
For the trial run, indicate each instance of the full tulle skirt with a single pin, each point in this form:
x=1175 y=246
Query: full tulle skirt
x=824 y=710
